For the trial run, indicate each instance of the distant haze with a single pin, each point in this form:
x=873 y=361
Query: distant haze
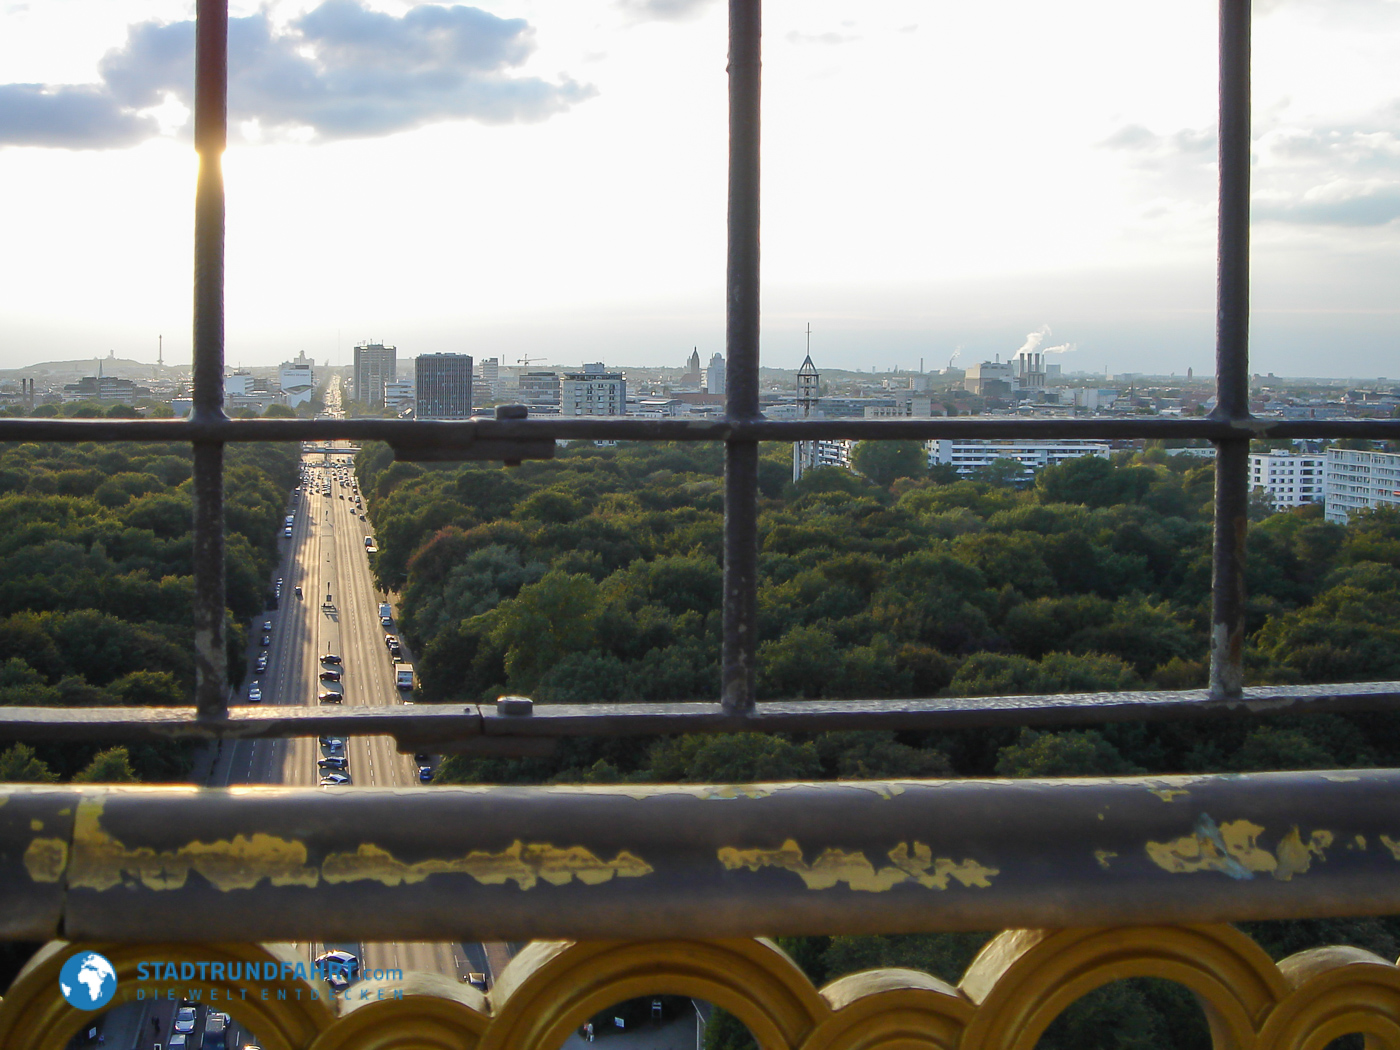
x=546 y=178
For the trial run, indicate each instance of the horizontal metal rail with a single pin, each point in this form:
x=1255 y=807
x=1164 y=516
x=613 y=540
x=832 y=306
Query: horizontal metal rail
x=135 y=864
x=452 y=434
x=481 y=729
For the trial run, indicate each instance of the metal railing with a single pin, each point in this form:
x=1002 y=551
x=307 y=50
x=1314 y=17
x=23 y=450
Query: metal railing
x=511 y=438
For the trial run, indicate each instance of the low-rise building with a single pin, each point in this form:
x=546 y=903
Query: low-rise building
x=971 y=454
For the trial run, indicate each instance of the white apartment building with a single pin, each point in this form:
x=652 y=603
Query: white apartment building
x=834 y=452
x=1291 y=479
x=593 y=393
x=970 y=454
x=1357 y=480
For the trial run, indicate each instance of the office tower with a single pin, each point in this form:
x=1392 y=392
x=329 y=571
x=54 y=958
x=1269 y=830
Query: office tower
x=444 y=386
x=375 y=365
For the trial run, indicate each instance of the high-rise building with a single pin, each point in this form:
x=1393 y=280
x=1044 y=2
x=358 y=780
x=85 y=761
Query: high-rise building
x=1358 y=480
x=444 y=386
x=1289 y=478
x=297 y=380
x=491 y=377
x=593 y=392
x=375 y=365
x=714 y=375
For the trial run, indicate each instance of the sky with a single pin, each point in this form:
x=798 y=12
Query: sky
x=543 y=181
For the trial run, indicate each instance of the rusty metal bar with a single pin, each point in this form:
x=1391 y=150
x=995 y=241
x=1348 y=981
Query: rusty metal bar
x=210 y=138
x=133 y=864
x=463 y=435
x=443 y=727
x=1231 y=355
x=740 y=642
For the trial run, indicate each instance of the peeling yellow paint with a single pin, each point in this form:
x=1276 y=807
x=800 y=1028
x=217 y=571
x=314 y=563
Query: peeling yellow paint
x=1233 y=849
x=36 y=825
x=835 y=866
x=1392 y=845
x=524 y=864
x=45 y=859
x=1167 y=794
x=1295 y=855
x=1103 y=856
x=100 y=862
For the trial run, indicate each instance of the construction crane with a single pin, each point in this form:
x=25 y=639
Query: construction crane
x=525 y=361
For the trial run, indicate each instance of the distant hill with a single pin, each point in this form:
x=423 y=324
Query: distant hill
x=122 y=367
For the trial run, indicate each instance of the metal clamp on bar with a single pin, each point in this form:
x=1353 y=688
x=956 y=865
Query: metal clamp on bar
x=454 y=442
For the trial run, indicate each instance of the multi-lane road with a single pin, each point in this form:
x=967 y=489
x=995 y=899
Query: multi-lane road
x=326 y=555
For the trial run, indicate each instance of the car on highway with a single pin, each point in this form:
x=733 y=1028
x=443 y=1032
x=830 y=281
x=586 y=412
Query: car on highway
x=334 y=762
x=425 y=774
x=331 y=658
x=184 y=1019
x=255 y=693
x=330 y=780
x=298 y=590
x=338 y=968
x=330 y=675
x=260 y=664
x=267 y=625
x=267 y=639
x=331 y=698
x=332 y=742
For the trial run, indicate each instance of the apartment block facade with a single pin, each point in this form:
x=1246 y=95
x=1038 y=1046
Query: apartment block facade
x=1357 y=480
x=1290 y=478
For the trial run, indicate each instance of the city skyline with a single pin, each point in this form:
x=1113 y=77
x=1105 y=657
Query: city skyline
x=936 y=184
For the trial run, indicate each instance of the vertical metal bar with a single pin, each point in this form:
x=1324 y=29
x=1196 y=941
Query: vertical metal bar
x=741 y=351
x=1231 y=354
x=210 y=137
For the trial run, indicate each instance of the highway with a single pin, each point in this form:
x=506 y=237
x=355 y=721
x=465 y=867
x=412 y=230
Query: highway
x=326 y=555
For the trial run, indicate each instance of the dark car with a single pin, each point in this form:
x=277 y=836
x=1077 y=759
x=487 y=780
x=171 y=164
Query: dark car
x=330 y=676
x=267 y=639
x=260 y=664
x=390 y=640
x=338 y=968
x=334 y=762
x=331 y=698
x=425 y=774
x=331 y=658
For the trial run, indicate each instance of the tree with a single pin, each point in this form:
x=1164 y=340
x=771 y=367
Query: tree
x=279 y=411
x=1074 y=753
x=112 y=766
x=542 y=623
x=1094 y=482
x=884 y=461
x=1002 y=473
x=20 y=765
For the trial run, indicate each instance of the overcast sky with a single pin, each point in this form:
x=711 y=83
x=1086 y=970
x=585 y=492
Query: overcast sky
x=546 y=178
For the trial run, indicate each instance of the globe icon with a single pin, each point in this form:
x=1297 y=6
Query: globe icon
x=88 y=981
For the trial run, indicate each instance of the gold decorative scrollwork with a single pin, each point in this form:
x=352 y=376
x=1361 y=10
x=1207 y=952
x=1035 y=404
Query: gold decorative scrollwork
x=1011 y=992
